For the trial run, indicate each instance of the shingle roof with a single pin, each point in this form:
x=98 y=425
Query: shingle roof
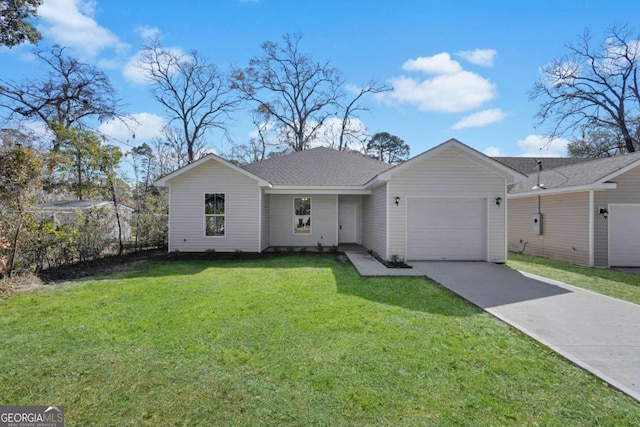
x=529 y=165
x=579 y=174
x=318 y=167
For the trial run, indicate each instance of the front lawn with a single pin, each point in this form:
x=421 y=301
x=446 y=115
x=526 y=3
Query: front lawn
x=294 y=340
x=617 y=284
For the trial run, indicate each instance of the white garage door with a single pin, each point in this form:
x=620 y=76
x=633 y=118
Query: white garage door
x=446 y=229
x=624 y=235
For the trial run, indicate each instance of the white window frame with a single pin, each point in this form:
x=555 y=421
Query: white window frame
x=297 y=218
x=205 y=214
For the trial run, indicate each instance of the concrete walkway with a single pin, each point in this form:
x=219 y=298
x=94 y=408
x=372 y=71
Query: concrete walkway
x=369 y=266
x=599 y=333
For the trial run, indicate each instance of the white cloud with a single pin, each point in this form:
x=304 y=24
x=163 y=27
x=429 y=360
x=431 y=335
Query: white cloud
x=134 y=70
x=146 y=32
x=479 y=119
x=71 y=23
x=450 y=89
x=543 y=146
x=482 y=57
x=436 y=64
x=144 y=126
x=494 y=151
x=450 y=93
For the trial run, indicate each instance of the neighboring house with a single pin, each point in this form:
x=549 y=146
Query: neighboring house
x=587 y=213
x=64 y=212
x=447 y=203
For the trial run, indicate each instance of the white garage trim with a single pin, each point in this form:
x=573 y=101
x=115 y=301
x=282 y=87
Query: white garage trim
x=624 y=234
x=451 y=220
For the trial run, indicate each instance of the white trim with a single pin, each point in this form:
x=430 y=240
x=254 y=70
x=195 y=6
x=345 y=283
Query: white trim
x=163 y=181
x=290 y=189
x=506 y=222
x=576 y=189
x=608 y=238
x=386 y=201
x=337 y=220
x=486 y=229
x=406 y=228
x=259 y=220
x=620 y=171
x=204 y=215
x=591 y=226
x=270 y=221
x=293 y=211
x=169 y=220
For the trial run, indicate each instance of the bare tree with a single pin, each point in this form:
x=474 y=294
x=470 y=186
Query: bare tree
x=350 y=110
x=70 y=94
x=263 y=142
x=599 y=141
x=291 y=89
x=593 y=86
x=195 y=93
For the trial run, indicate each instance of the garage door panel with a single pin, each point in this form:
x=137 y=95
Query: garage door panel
x=624 y=235
x=446 y=229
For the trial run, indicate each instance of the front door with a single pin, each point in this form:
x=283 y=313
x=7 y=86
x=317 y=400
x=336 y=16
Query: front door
x=348 y=223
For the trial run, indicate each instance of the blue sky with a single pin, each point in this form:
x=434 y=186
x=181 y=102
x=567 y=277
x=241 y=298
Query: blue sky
x=459 y=69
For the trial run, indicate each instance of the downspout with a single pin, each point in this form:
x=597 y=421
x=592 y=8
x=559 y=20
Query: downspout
x=591 y=228
x=538 y=186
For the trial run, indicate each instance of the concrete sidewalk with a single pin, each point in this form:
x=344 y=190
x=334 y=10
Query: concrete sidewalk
x=368 y=266
x=598 y=333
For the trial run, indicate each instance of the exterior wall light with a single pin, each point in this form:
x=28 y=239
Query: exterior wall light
x=604 y=212
x=397 y=200
x=498 y=201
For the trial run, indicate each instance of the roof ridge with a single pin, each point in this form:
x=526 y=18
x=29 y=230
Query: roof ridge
x=318 y=166
x=598 y=160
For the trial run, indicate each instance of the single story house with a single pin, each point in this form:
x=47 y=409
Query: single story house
x=448 y=203
x=64 y=212
x=583 y=212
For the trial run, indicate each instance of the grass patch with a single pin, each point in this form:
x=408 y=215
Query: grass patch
x=293 y=340
x=617 y=284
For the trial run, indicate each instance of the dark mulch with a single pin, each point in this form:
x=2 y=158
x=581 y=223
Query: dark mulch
x=388 y=263
x=89 y=268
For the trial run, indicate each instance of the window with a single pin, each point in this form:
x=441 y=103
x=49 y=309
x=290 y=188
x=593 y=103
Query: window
x=302 y=215
x=214 y=214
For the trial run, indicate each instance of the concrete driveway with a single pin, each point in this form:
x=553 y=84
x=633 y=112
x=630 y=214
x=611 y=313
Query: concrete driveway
x=631 y=270
x=599 y=333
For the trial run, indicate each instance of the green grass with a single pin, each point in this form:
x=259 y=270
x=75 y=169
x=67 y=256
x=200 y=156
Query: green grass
x=617 y=284
x=294 y=340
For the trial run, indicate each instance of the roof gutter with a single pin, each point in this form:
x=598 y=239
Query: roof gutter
x=550 y=191
x=324 y=189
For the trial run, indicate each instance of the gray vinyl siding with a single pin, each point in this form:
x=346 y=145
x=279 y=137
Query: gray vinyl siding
x=565 y=227
x=374 y=221
x=266 y=220
x=186 y=219
x=324 y=220
x=627 y=191
x=448 y=174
